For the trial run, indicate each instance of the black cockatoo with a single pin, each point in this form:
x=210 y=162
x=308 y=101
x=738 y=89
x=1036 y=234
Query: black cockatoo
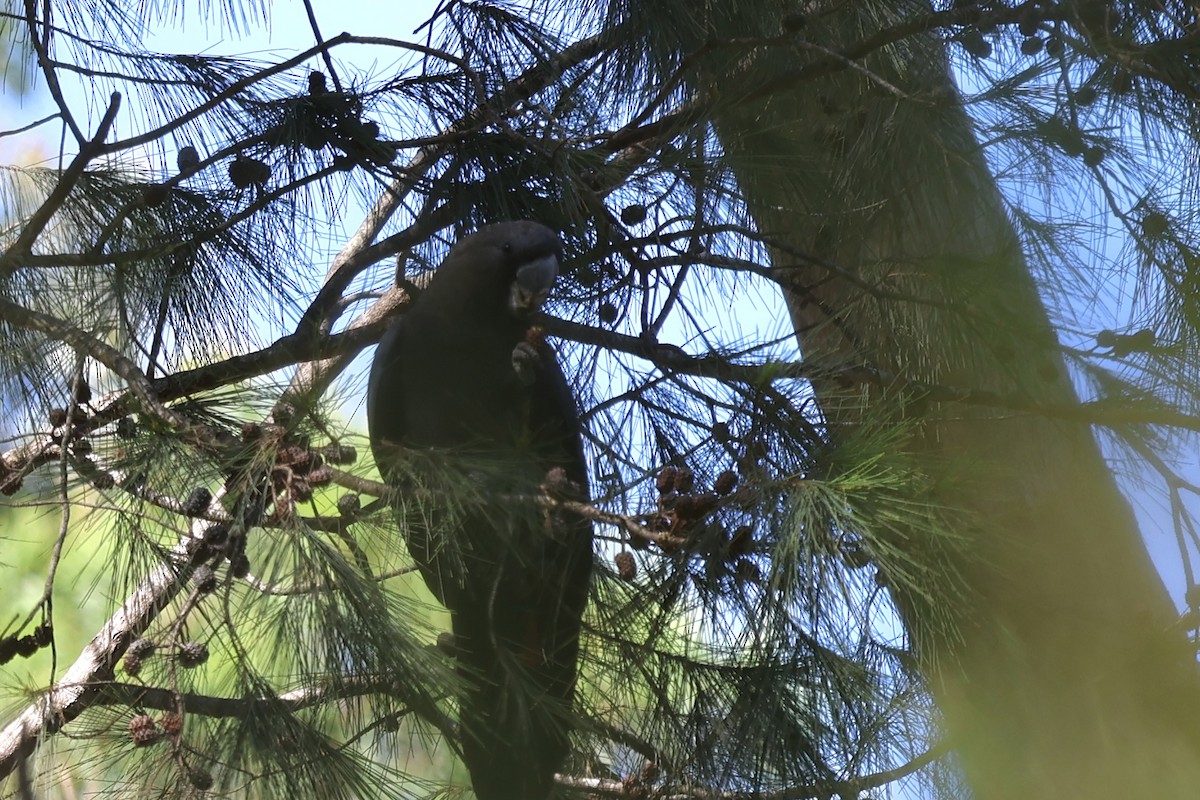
x=469 y=413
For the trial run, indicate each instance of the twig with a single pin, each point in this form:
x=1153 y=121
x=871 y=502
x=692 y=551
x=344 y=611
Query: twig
x=605 y=787
x=70 y=176
x=320 y=588
x=110 y=357
x=30 y=126
x=629 y=524
x=316 y=29
x=41 y=47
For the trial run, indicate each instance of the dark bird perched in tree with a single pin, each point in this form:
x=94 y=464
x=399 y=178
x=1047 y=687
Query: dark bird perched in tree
x=469 y=407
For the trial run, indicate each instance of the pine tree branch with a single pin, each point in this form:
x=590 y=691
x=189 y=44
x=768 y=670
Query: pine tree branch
x=83 y=342
x=116 y=693
x=22 y=246
x=41 y=46
x=604 y=787
x=284 y=352
x=358 y=253
x=674 y=359
x=80 y=686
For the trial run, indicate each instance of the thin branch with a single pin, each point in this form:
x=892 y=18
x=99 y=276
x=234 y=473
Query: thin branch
x=30 y=126
x=41 y=46
x=70 y=176
x=603 y=787
x=107 y=355
x=80 y=685
x=110 y=693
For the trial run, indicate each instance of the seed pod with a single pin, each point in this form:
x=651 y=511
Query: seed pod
x=132 y=663
x=557 y=484
x=83 y=392
x=285 y=508
x=587 y=277
x=187 y=159
x=103 y=481
x=251 y=431
x=626 y=565
x=691 y=507
x=1031 y=46
x=143 y=731
x=300 y=490
x=197 y=502
x=58 y=417
x=1085 y=96
x=349 y=504
x=245 y=172
x=126 y=428
x=155 y=194
x=293 y=456
x=217 y=535
x=608 y=313
x=633 y=214
x=369 y=129
x=742 y=541
x=1155 y=225
x=976 y=45
x=200 y=778
x=665 y=482
x=171 y=722
x=1142 y=341
x=239 y=566
x=204 y=579
x=1093 y=155
x=793 y=22
x=726 y=482
x=142 y=648
x=340 y=454
x=320 y=475
x=193 y=654
x=685 y=479
x=43 y=634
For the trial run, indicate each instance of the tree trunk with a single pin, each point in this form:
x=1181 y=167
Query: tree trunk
x=1046 y=644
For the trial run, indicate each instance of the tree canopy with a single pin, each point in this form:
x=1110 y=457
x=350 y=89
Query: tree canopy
x=865 y=541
